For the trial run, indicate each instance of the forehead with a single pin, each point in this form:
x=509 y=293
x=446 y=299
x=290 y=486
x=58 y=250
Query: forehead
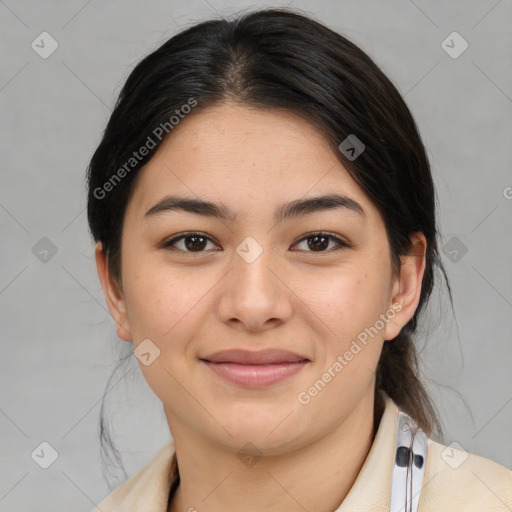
x=245 y=158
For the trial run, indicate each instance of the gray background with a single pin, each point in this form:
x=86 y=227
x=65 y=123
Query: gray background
x=58 y=342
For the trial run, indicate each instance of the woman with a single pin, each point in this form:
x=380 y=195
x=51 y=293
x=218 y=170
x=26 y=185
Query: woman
x=265 y=220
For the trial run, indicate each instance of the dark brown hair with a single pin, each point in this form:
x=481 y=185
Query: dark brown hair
x=279 y=58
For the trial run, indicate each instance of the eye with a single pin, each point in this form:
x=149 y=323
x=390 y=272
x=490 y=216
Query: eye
x=192 y=242
x=320 y=241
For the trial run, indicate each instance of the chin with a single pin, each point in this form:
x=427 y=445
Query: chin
x=258 y=445
x=270 y=435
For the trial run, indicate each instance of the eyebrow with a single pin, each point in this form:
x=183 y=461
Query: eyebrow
x=289 y=210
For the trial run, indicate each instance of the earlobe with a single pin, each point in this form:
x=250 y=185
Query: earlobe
x=406 y=291
x=113 y=295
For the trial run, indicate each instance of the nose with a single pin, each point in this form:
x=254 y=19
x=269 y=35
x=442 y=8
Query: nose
x=255 y=295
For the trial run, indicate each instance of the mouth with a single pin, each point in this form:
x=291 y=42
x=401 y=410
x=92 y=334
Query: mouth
x=255 y=369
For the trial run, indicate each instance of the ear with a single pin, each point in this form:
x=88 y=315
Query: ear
x=113 y=294
x=406 y=289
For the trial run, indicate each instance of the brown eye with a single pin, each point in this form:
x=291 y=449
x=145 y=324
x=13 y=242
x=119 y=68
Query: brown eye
x=318 y=242
x=192 y=242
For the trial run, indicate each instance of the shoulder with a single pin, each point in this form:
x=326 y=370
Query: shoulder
x=459 y=480
x=149 y=487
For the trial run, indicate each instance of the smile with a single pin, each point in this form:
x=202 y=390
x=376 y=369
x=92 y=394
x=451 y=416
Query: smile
x=255 y=369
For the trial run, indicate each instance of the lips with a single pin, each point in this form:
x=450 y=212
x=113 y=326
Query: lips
x=251 y=369
x=268 y=356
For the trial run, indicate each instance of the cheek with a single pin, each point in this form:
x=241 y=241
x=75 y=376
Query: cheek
x=351 y=306
x=154 y=298
x=352 y=296
x=166 y=303
x=160 y=307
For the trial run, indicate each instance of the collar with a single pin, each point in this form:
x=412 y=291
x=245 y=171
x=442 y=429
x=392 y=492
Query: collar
x=372 y=487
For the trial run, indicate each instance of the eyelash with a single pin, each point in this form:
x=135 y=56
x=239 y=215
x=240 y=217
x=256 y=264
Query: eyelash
x=168 y=243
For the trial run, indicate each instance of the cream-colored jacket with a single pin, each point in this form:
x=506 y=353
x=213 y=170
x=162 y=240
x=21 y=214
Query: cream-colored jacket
x=455 y=481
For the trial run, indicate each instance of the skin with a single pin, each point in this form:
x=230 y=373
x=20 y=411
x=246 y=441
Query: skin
x=292 y=297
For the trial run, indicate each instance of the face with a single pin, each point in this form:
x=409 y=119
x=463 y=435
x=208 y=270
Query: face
x=313 y=281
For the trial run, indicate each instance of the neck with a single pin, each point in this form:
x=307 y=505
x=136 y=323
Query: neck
x=316 y=477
